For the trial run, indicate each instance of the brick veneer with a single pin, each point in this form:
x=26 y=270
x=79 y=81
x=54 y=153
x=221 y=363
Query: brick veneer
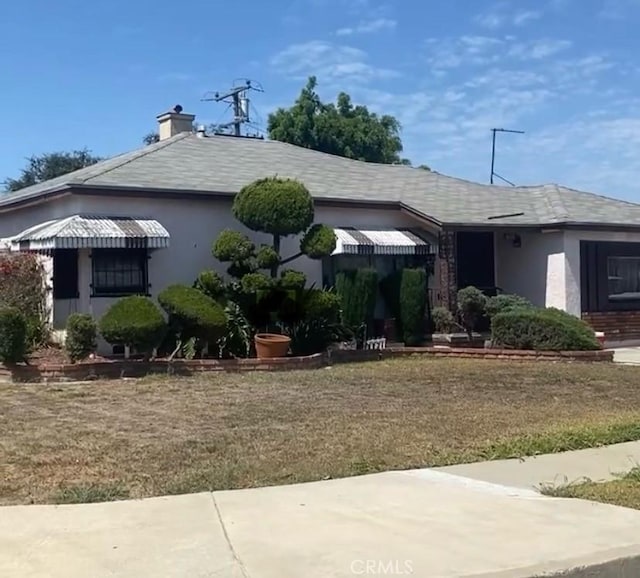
x=129 y=368
x=616 y=325
x=446 y=264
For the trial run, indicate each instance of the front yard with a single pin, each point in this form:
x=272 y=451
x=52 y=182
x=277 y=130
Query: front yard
x=136 y=438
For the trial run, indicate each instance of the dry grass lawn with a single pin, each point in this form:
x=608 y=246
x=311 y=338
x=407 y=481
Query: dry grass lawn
x=134 y=438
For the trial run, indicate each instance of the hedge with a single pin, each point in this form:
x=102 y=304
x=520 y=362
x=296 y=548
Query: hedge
x=13 y=335
x=135 y=322
x=413 y=303
x=357 y=291
x=80 y=340
x=506 y=302
x=542 y=330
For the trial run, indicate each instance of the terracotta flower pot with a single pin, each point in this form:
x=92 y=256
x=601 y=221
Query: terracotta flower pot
x=270 y=345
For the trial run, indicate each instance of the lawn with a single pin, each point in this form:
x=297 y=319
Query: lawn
x=624 y=491
x=135 y=438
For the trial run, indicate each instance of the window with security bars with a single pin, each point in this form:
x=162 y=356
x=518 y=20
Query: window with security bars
x=119 y=272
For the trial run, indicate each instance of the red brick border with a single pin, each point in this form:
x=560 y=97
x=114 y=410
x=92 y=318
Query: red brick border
x=135 y=368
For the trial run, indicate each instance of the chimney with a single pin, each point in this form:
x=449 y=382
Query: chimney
x=174 y=122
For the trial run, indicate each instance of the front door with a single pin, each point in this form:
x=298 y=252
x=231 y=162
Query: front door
x=475 y=259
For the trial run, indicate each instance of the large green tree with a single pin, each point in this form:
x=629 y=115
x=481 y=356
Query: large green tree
x=50 y=165
x=342 y=129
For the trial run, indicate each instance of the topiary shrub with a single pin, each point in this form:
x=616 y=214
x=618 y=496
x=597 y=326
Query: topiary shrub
x=81 y=333
x=357 y=291
x=506 y=302
x=322 y=304
x=542 y=330
x=193 y=314
x=136 y=322
x=211 y=284
x=472 y=305
x=13 y=335
x=290 y=279
x=413 y=304
x=443 y=320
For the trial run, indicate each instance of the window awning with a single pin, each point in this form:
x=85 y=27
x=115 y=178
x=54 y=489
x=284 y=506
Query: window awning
x=84 y=232
x=387 y=242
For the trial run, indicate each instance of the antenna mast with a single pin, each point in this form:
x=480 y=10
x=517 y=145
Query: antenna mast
x=237 y=98
x=493 y=153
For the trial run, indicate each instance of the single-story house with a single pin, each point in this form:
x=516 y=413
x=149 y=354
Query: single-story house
x=145 y=219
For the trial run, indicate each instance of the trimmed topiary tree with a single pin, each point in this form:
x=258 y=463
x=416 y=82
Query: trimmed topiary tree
x=13 y=335
x=211 y=284
x=81 y=333
x=135 y=322
x=472 y=305
x=192 y=313
x=279 y=208
x=413 y=304
x=443 y=320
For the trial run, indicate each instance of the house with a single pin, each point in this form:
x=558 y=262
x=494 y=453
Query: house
x=140 y=221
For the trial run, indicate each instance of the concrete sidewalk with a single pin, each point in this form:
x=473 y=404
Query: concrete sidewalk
x=597 y=464
x=627 y=355
x=419 y=523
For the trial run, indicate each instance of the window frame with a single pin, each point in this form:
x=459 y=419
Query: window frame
x=141 y=256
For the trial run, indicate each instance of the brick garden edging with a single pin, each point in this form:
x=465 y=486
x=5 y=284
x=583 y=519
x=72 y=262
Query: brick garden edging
x=119 y=369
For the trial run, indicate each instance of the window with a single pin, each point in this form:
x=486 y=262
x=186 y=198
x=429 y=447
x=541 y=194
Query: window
x=623 y=278
x=119 y=272
x=65 y=274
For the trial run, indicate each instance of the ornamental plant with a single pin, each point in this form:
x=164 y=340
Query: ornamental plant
x=80 y=341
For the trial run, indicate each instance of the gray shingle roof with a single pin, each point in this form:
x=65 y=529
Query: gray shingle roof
x=224 y=165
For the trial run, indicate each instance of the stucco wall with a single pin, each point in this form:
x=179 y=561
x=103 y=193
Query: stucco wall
x=536 y=270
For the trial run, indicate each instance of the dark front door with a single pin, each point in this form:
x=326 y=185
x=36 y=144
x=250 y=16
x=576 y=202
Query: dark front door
x=476 y=261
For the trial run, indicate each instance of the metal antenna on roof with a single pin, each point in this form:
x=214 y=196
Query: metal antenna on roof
x=493 y=153
x=238 y=99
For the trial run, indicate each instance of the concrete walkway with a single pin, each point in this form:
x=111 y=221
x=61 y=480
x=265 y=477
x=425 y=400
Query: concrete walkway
x=422 y=523
x=627 y=355
x=598 y=465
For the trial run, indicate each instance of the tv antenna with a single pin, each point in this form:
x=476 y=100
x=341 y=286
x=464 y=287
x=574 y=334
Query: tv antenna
x=493 y=153
x=236 y=97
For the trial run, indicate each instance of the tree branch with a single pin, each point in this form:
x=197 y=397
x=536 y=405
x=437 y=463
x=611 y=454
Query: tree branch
x=292 y=258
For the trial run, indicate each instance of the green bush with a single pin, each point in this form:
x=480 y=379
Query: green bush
x=13 y=335
x=233 y=246
x=472 y=305
x=135 y=322
x=80 y=340
x=322 y=304
x=311 y=336
x=319 y=241
x=193 y=314
x=506 y=302
x=443 y=320
x=211 y=284
x=357 y=291
x=542 y=330
x=290 y=279
x=255 y=282
x=267 y=257
x=236 y=341
x=413 y=304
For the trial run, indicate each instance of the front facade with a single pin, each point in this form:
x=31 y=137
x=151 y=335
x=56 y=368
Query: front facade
x=140 y=222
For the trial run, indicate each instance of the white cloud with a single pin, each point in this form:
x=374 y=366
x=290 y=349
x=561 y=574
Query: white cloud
x=500 y=16
x=490 y=20
x=369 y=26
x=522 y=18
x=452 y=53
x=538 y=49
x=329 y=62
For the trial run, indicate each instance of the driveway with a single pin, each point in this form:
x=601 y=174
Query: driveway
x=627 y=355
x=417 y=523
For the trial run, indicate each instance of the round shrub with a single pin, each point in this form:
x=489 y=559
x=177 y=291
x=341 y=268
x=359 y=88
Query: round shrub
x=275 y=206
x=233 y=246
x=472 y=305
x=210 y=283
x=506 y=302
x=192 y=313
x=443 y=320
x=13 y=335
x=255 y=282
x=542 y=330
x=322 y=305
x=290 y=279
x=318 y=242
x=80 y=340
x=135 y=322
x=267 y=257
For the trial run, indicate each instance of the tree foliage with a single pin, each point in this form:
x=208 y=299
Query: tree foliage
x=342 y=129
x=50 y=165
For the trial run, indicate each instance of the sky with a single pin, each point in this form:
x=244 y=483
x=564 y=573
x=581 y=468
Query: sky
x=82 y=74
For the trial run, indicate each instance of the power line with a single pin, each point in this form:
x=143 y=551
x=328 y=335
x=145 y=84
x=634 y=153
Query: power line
x=237 y=98
x=493 y=153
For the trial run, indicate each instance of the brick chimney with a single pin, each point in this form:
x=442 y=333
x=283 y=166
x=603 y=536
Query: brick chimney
x=174 y=122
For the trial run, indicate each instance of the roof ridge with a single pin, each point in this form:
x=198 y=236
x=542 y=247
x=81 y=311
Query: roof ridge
x=137 y=154
x=604 y=197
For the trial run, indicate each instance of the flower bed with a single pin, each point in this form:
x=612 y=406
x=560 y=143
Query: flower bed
x=121 y=368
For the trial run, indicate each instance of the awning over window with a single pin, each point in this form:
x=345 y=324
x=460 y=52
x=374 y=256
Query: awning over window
x=80 y=232
x=387 y=242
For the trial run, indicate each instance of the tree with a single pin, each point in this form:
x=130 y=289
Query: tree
x=342 y=129
x=50 y=165
x=152 y=137
x=279 y=208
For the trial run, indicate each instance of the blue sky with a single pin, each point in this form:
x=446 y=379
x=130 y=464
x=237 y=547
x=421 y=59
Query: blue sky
x=94 y=74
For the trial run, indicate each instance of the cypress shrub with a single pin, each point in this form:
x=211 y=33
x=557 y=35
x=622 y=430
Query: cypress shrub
x=413 y=304
x=13 y=335
x=358 y=292
x=80 y=340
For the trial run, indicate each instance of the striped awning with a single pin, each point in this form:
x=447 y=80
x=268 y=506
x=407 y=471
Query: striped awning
x=387 y=242
x=82 y=232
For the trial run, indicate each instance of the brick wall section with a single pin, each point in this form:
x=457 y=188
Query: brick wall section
x=446 y=263
x=127 y=368
x=616 y=325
